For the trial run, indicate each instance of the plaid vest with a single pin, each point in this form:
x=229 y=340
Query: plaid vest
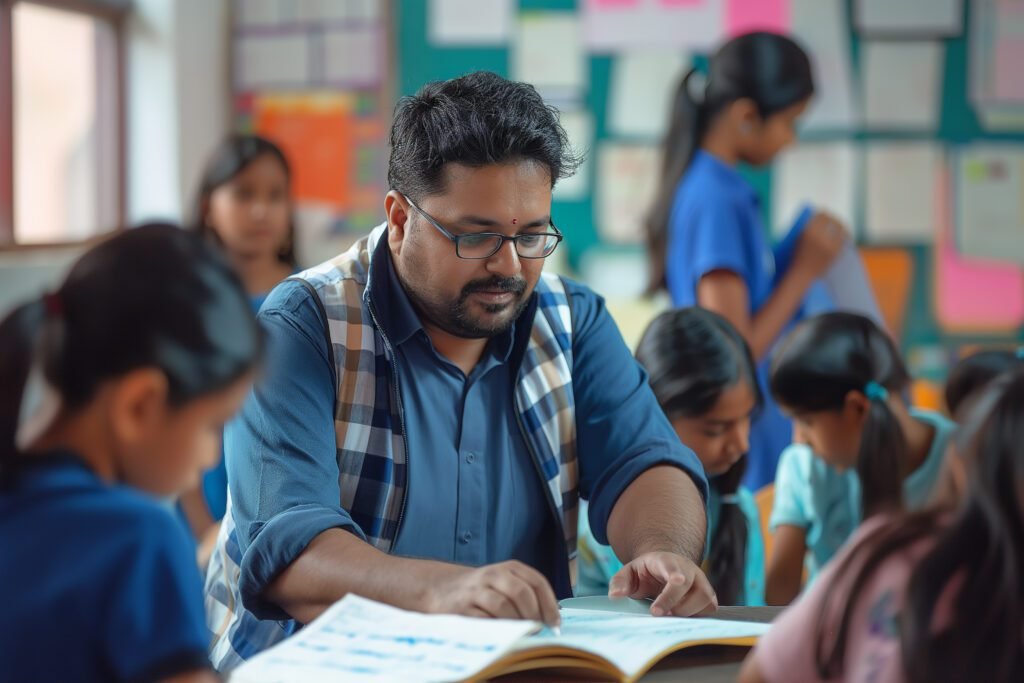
x=372 y=448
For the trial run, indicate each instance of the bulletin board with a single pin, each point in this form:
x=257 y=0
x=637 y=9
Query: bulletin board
x=927 y=343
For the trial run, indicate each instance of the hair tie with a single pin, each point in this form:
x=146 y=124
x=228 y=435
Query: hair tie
x=53 y=304
x=876 y=392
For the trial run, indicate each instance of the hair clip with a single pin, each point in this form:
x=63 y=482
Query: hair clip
x=876 y=392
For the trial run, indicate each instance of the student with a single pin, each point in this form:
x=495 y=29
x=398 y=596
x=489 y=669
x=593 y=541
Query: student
x=859 y=449
x=243 y=205
x=705 y=380
x=706 y=238
x=929 y=596
x=136 y=363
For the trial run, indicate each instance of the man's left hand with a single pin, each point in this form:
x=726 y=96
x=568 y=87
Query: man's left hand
x=677 y=586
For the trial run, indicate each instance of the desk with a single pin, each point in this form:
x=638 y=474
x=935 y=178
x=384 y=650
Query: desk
x=704 y=664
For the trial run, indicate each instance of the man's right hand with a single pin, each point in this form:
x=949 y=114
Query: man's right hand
x=508 y=590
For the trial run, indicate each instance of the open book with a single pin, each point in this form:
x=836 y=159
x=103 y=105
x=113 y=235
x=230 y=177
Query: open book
x=362 y=641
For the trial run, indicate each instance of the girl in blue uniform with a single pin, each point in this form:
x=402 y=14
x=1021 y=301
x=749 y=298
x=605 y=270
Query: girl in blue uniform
x=243 y=205
x=706 y=238
x=704 y=378
x=114 y=390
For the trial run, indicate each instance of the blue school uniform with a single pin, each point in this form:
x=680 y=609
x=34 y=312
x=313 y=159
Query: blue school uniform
x=100 y=581
x=598 y=563
x=716 y=225
x=814 y=496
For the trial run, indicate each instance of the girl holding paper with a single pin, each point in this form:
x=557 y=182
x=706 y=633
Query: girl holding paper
x=705 y=234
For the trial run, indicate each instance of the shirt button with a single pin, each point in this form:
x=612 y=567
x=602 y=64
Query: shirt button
x=470 y=457
x=467 y=536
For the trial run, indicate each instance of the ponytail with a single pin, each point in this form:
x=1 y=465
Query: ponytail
x=727 y=560
x=882 y=457
x=685 y=132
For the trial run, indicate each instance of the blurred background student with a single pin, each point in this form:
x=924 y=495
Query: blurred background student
x=705 y=380
x=706 y=239
x=243 y=206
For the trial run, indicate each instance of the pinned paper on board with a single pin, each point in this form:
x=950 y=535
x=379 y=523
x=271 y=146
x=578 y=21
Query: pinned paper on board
x=820 y=27
x=973 y=295
x=825 y=175
x=891 y=274
x=628 y=177
x=272 y=61
x=548 y=53
x=989 y=184
x=744 y=16
x=909 y=17
x=643 y=84
x=684 y=25
x=352 y=57
x=902 y=84
x=995 y=55
x=579 y=126
x=470 y=22
x=900 y=192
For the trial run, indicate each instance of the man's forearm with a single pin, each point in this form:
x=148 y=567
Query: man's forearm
x=661 y=511
x=336 y=563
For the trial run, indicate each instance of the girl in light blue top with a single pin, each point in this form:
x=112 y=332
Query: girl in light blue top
x=704 y=377
x=860 y=450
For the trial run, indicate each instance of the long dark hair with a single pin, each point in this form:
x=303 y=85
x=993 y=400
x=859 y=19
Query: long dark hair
x=974 y=372
x=979 y=555
x=691 y=356
x=825 y=358
x=153 y=296
x=769 y=69
x=230 y=158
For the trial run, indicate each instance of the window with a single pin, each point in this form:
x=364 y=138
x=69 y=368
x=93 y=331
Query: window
x=61 y=120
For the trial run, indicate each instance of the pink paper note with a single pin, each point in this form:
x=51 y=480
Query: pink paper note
x=973 y=295
x=744 y=16
x=682 y=3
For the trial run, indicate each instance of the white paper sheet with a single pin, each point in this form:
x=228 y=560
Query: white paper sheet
x=361 y=641
x=642 y=88
x=901 y=182
x=990 y=202
x=902 y=84
x=263 y=62
x=352 y=57
x=548 y=53
x=627 y=183
x=693 y=25
x=848 y=285
x=820 y=26
x=579 y=126
x=470 y=22
x=909 y=17
x=825 y=175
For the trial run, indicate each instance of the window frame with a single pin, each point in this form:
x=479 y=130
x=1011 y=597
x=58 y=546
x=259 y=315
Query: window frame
x=111 y=114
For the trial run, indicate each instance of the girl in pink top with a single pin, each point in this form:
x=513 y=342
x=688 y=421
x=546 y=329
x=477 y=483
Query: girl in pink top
x=931 y=596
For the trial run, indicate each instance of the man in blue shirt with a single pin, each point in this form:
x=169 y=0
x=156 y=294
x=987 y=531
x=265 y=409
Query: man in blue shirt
x=434 y=406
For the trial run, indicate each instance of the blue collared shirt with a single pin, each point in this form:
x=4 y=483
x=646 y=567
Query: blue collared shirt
x=474 y=493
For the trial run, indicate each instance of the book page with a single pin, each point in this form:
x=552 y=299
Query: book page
x=633 y=643
x=361 y=641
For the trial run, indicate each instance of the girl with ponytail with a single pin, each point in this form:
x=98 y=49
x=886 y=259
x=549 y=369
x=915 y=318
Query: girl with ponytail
x=114 y=390
x=706 y=239
x=704 y=377
x=934 y=595
x=859 y=449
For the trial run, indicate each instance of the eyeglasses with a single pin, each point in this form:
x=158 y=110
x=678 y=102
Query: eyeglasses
x=481 y=245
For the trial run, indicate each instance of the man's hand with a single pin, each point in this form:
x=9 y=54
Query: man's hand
x=676 y=584
x=508 y=590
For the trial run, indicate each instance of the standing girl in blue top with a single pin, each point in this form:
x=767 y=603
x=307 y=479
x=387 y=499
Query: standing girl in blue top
x=114 y=389
x=707 y=242
x=244 y=206
x=860 y=449
x=704 y=378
